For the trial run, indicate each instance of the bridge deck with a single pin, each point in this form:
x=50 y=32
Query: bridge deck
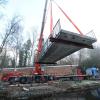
x=63 y=44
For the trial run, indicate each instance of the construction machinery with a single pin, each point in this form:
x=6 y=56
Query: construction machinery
x=59 y=44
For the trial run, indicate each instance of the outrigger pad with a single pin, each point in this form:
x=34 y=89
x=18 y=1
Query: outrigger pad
x=63 y=44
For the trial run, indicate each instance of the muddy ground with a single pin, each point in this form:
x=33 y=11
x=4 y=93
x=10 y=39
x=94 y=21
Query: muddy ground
x=43 y=90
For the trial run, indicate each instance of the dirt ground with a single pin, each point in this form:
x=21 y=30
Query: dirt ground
x=45 y=89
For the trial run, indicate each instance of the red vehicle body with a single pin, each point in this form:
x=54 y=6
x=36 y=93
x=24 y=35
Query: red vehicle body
x=6 y=76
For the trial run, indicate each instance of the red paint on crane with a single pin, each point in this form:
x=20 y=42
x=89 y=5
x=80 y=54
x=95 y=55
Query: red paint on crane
x=69 y=19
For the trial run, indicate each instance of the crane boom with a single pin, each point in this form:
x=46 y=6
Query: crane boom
x=42 y=28
x=37 y=65
x=44 y=17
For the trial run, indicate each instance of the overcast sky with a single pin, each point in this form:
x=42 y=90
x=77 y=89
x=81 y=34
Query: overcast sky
x=85 y=14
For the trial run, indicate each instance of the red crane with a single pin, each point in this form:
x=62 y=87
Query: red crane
x=40 y=43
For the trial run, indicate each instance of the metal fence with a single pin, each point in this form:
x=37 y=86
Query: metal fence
x=91 y=34
x=48 y=43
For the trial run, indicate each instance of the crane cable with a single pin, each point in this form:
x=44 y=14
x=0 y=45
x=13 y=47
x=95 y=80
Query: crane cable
x=51 y=18
x=69 y=19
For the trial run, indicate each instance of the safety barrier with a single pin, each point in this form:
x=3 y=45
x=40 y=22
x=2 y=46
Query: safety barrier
x=54 y=33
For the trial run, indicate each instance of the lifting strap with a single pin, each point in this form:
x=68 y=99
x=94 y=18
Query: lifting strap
x=69 y=19
x=51 y=19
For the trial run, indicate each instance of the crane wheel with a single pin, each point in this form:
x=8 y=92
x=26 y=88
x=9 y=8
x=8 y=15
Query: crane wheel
x=11 y=80
x=23 y=80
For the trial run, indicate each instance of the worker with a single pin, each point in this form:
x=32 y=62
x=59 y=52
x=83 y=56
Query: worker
x=94 y=72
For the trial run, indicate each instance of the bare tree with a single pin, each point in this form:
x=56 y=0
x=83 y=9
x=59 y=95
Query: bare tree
x=13 y=28
x=12 y=38
x=16 y=40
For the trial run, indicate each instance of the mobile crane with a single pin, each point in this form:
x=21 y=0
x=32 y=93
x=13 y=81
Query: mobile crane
x=37 y=74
